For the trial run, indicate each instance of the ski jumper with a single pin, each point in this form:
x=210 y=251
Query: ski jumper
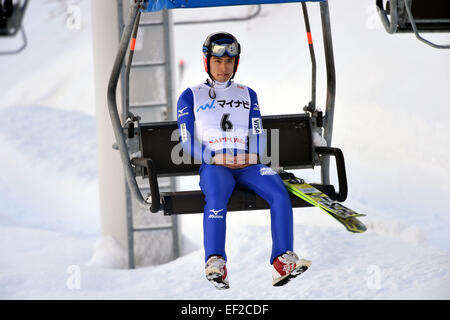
x=226 y=119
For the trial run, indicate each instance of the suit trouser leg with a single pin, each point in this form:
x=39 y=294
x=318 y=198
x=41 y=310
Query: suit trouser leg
x=217 y=184
x=268 y=185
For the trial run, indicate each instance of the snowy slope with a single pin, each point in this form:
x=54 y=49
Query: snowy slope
x=55 y=70
x=395 y=140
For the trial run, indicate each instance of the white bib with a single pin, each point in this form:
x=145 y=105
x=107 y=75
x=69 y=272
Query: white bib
x=222 y=122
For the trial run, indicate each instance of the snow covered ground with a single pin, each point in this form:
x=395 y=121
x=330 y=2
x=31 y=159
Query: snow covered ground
x=391 y=122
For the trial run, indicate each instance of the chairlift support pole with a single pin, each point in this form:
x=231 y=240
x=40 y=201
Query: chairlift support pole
x=312 y=104
x=331 y=87
x=126 y=79
x=114 y=114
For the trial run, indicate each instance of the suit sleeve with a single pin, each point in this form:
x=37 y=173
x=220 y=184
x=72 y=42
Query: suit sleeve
x=256 y=134
x=186 y=126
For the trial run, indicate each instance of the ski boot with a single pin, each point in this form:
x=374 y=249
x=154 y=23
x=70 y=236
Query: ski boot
x=216 y=272
x=286 y=267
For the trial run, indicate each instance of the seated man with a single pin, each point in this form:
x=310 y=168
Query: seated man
x=220 y=125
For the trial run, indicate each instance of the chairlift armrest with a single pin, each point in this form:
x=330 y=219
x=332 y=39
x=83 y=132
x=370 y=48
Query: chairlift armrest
x=340 y=165
x=153 y=181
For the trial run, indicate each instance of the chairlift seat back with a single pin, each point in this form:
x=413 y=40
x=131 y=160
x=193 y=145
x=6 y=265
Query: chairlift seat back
x=294 y=136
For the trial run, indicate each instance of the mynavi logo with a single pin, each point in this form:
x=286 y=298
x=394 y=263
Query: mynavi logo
x=215 y=214
x=207 y=106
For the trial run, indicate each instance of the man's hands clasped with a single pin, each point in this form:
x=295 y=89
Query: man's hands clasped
x=235 y=162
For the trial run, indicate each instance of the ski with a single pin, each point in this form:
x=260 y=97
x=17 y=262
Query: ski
x=317 y=198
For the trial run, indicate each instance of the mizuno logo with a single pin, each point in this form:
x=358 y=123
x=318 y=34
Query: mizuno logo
x=215 y=214
x=182 y=113
x=207 y=106
x=267 y=171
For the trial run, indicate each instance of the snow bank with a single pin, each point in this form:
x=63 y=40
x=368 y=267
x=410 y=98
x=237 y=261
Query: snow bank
x=49 y=175
x=109 y=254
x=345 y=266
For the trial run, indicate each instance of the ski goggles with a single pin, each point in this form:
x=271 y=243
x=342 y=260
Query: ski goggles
x=219 y=50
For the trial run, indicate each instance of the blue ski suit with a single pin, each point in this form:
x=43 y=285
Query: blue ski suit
x=230 y=122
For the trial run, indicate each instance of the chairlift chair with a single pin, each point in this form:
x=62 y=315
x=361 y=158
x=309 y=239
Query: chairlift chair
x=415 y=16
x=153 y=142
x=11 y=17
